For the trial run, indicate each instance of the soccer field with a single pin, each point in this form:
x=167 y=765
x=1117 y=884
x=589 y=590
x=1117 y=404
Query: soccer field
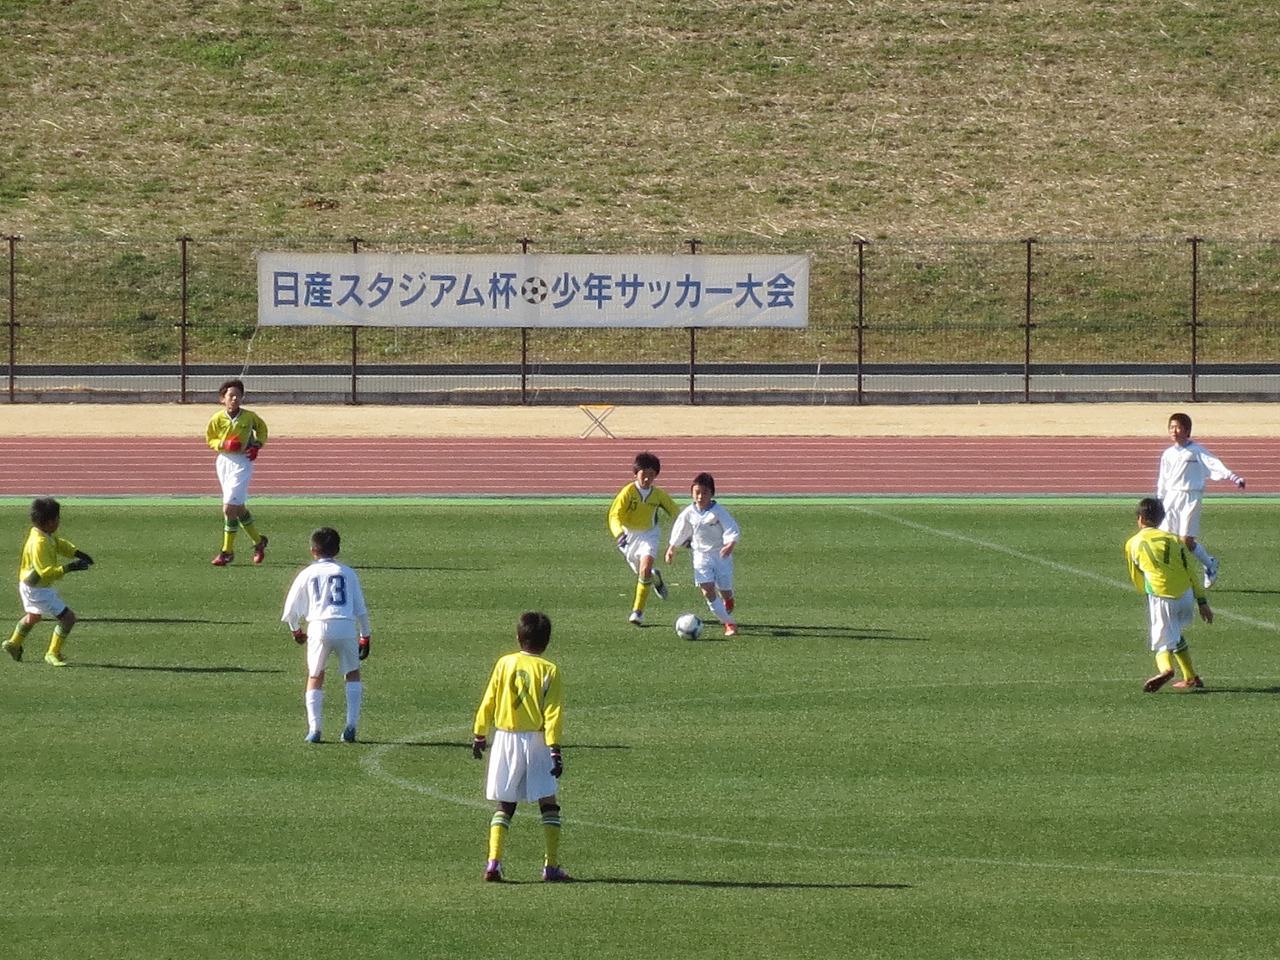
x=929 y=741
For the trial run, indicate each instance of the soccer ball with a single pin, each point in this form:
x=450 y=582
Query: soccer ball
x=688 y=626
x=534 y=290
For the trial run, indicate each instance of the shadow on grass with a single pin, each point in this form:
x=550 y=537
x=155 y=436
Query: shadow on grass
x=420 y=569
x=148 y=667
x=743 y=884
x=824 y=632
x=201 y=620
x=1272 y=691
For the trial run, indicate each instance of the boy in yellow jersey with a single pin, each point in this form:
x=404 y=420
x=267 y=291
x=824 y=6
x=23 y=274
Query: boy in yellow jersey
x=237 y=435
x=1158 y=567
x=522 y=705
x=633 y=524
x=38 y=572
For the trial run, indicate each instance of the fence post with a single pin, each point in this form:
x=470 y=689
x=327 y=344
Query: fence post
x=355 y=341
x=693 y=244
x=183 y=324
x=862 y=320
x=1027 y=325
x=524 y=342
x=1195 y=315
x=13 y=312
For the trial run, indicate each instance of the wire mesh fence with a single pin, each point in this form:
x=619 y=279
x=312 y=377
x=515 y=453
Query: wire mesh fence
x=889 y=321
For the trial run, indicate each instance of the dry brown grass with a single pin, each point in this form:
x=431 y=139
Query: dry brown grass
x=635 y=118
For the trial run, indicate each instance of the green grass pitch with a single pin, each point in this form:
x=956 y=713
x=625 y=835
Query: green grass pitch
x=929 y=741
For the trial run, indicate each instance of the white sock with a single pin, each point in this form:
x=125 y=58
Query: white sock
x=1202 y=554
x=314 y=700
x=355 y=699
x=716 y=606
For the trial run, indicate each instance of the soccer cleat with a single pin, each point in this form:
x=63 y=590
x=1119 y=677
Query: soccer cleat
x=349 y=735
x=660 y=585
x=1158 y=681
x=1211 y=572
x=1191 y=683
x=312 y=737
x=222 y=559
x=13 y=649
x=730 y=629
x=54 y=660
x=493 y=872
x=637 y=617
x=728 y=604
x=555 y=875
x=260 y=550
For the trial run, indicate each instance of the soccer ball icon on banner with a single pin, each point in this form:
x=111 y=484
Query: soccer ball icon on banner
x=534 y=290
x=688 y=626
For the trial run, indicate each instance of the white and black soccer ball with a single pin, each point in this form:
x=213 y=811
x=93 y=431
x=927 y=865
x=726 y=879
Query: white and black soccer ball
x=534 y=290
x=688 y=626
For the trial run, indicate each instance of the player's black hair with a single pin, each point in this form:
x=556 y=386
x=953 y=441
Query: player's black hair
x=646 y=461
x=326 y=542
x=533 y=631
x=1183 y=419
x=45 y=509
x=704 y=480
x=1151 y=511
x=237 y=383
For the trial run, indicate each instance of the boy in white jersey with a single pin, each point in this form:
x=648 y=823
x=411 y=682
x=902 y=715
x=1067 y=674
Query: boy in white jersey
x=633 y=524
x=38 y=571
x=708 y=529
x=237 y=435
x=522 y=705
x=1185 y=467
x=327 y=595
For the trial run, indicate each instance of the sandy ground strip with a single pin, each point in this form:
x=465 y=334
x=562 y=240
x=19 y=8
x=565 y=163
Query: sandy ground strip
x=1007 y=420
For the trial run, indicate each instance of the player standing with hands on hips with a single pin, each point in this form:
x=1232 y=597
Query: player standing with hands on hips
x=1185 y=468
x=327 y=595
x=522 y=706
x=237 y=434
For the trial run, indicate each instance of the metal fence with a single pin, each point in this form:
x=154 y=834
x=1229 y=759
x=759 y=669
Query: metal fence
x=891 y=321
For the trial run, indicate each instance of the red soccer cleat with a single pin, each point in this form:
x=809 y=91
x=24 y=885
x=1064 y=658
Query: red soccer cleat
x=222 y=559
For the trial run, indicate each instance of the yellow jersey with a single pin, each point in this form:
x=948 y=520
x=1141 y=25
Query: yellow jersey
x=247 y=425
x=39 y=566
x=636 y=512
x=523 y=696
x=1158 y=564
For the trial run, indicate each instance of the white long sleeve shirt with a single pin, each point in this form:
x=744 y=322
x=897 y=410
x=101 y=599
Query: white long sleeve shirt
x=704 y=530
x=1187 y=468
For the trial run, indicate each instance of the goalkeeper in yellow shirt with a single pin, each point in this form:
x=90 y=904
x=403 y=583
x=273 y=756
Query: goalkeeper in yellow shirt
x=633 y=524
x=237 y=435
x=38 y=572
x=522 y=706
x=1159 y=567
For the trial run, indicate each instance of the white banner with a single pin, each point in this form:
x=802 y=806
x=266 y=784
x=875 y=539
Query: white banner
x=526 y=290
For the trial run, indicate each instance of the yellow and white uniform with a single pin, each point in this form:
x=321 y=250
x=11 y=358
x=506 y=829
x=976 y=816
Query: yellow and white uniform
x=39 y=569
x=522 y=705
x=235 y=470
x=635 y=512
x=1158 y=567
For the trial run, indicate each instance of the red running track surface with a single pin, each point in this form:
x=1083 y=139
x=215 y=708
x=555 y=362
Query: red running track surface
x=741 y=465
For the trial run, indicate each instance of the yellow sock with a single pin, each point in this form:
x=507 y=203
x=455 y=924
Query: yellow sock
x=250 y=527
x=551 y=835
x=642 y=594
x=498 y=828
x=55 y=642
x=1183 y=657
x=229 y=536
x=1164 y=662
x=20 y=633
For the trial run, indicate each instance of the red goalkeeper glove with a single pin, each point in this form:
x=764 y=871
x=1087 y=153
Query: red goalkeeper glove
x=363 y=647
x=232 y=444
x=300 y=636
x=251 y=451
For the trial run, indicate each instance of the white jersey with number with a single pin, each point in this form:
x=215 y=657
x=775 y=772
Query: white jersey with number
x=326 y=592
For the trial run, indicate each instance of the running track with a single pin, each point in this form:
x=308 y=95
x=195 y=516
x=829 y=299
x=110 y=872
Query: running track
x=88 y=466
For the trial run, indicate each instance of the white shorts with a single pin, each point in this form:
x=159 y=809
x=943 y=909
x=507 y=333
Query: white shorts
x=710 y=567
x=235 y=470
x=1182 y=512
x=519 y=768
x=1169 y=617
x=42 y=600
x=640 y=545
x=325 y=637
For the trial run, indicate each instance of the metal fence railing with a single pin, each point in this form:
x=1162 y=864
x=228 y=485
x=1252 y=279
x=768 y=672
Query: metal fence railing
x=890 y=321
